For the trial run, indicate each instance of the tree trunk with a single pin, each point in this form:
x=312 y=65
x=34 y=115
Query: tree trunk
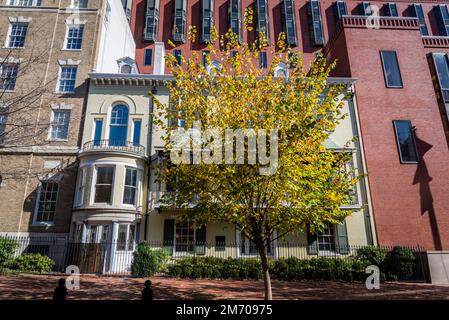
x=266 y=274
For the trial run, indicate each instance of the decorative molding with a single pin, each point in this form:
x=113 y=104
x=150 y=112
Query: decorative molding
x=20 y=19
x=69 y=62
x=62 y=106
x=59 y=150
x=75 y=21
x=11 y=60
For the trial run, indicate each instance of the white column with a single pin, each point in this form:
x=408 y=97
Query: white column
x=114 y=234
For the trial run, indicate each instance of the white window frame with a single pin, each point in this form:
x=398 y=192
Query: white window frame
x=183 y=252
x=8 y=36
x=137 y=192
x=81 y=187
x=66 y=40
x=52 y=124
x=58 y=84
x=6 y=64
x=76 y=4
x=274 y=246
x=94 y=184
x=36 y=206
x=130 y=244
x=25 y=3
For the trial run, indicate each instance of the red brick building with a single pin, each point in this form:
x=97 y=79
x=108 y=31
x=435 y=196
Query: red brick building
x=402 y=70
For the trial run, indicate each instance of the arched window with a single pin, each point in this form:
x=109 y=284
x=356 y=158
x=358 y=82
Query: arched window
x=118 y=126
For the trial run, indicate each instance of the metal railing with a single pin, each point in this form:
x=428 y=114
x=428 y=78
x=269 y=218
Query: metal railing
x=114 y=145
x=115 y=258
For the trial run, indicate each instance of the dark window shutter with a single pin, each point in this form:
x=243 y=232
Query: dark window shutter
x=342 y=236
x=312 y=243
x=200 y=237
x=169 y=232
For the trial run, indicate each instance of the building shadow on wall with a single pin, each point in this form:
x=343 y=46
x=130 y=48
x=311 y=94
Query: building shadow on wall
x=423 y=178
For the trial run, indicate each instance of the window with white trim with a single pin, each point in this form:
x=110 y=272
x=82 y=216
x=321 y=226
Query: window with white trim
x=74 y=37
x=17 y=34
x=25 y=3
x=125 y=237
x=81 y=186
x=79 y=4
x=59 y=128
x=130 y=189
x=326 y=239
x=248 y=247
x=3 y=122
x=8 y=76
x=67 y=79
x=47 y=199
x=184 y=237
x=103 y=184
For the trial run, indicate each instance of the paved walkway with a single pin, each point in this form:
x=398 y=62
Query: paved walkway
x=119 y=288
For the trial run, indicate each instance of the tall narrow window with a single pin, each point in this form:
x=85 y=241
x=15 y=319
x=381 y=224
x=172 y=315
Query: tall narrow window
x=151 y=20
x=391 y=69
x=180 y=22
x=441 y=64
x=417 y=11
x=17 y=34
x=130 y=189
x=263 y=60
x=178 y=55
x=74 y=37
x=3 y=122
x=148 y=60
x=103 y=184
x=263 y=27
x=136 y=133
x=119 y=126
x=184 y=237
x=443 y=19
x=207 y=20
x=8 y=76
x=206 y=58
x=67 y=79
x=98 y=131
x=391 y=10
x=315 y=23
x=125 y=237
x=59 y=128
x=46 y=206
x=365 y=8
x=235 y=18
x=81 y=186
x=339 y=10
x=405 y=139
x=289 y=23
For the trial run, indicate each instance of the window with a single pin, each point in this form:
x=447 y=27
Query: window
x=391 y=10
x=125 y=237
x=17 y=34
x=148 y=60
x=339 y=10
x=416 y=11
x=25 y=3
x=441 y=64
x=118 y=126
x=289 y=23
x=263 y=60
x=98 y=130
x=263 y=27
x=315 y=23
x=405 y=139
x=326 y=239
x=207 y=20
x=8 y=76
x=77 y=232
x=47 y=198
x=178 y=55
x=126 y=68
x=79 y=4
x=74 y=37
x=59 y=128
x=248 y=247
x=180 y=22
x=136 y=134
x=81 y=186
x=391 y=69
x=151 y=20
x=67 y=79
x=129 y=193
x=220 y=243
x=103 y=184
x=333 y=239
x=184 y=237
x=3 y=122
x=206 y=57
x=365 y=8
x=235 y=18
x=443 y=19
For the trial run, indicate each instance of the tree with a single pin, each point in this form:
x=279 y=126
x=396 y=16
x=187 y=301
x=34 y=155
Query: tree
x=302 y=188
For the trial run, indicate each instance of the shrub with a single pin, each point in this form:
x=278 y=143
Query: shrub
x=399 y=263
x=147 y=261
x=31 y=262
x=372 y=255
x=7 y=248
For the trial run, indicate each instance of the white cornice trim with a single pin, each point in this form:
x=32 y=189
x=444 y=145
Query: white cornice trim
x=20 y=19
x=42 y=150
x=75 y=21
x=11 y=60
x=62 y=106
x=69 y=62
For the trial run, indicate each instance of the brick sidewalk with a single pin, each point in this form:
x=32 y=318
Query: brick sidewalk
x=115 y=288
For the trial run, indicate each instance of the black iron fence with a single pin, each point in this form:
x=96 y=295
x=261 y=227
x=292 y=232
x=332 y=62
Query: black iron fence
x=115 y=258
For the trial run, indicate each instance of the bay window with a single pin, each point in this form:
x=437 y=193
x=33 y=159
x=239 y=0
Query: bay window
x=103 y=184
